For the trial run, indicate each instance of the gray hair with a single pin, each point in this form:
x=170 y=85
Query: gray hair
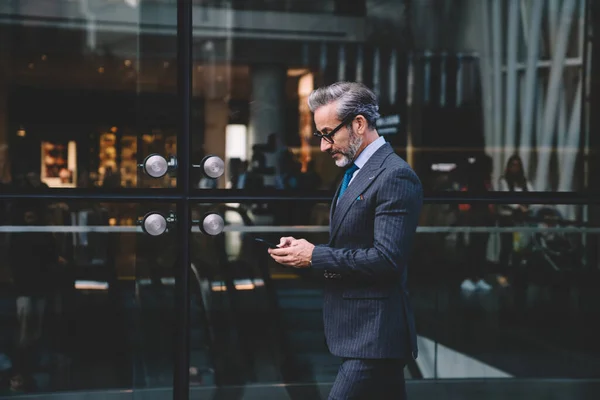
x=353 y=99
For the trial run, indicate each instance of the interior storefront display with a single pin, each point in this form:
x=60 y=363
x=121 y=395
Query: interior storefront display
x=118 y=163
x=59 y=163
x=107 y=169
x=128 y=161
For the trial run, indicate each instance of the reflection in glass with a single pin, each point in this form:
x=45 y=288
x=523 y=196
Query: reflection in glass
x=439 y=109
x=534 y=276
x=86 y=93
x=251 y=303
x=266 y=324
x=86 y=112
x=87 y=298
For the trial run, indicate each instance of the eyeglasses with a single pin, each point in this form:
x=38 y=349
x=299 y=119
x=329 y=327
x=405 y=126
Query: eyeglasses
x=328 y=137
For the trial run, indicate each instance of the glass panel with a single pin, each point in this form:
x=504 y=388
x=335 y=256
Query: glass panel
x=524 y=311
x=439 y=109
x=514 y=293
x=265 y=320
x=502 y=90
x=87 y=92
x=87 y=298
x=252 y=87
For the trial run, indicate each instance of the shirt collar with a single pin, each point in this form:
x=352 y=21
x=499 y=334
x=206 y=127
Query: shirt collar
x=368 y=151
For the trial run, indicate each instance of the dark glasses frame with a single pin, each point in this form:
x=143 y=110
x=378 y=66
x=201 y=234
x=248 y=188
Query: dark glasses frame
x=328 y=137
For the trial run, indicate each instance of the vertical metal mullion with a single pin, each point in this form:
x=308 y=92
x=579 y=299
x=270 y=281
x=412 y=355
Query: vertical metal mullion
x=542 y=181
x=532 y=39
x=497 y=57
x=591 y=255
x=182 y=299
x=512 y=47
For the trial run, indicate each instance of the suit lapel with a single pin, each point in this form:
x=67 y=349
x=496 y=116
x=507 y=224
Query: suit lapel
x=364 y=178
x=333 y=207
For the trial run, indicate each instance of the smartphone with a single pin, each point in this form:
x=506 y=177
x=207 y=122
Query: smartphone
x=267 y=243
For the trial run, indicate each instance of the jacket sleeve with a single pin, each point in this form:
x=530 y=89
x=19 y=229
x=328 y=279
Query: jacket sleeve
x=398 y=204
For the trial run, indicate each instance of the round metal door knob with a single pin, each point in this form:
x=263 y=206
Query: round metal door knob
x=212 y=224
x=155 y=165
x=213 y=166
x=154 y=224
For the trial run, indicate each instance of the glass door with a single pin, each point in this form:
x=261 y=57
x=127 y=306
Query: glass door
x=89 y=300
x=252 y=67
x=90 y=205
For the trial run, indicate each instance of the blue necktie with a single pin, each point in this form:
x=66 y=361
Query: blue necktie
x=347 y=177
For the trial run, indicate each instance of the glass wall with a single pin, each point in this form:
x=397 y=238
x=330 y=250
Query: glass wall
x=477 y=96
x=87 y=91
x=510 y=301
x=87 y=302
x=97 y=311
x=506 y=83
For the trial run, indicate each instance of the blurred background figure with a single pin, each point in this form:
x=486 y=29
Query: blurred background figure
x=509 y=215
x=32 y=257
x=478 y=171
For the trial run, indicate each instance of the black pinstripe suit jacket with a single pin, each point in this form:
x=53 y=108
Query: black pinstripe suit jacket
x=366 y=311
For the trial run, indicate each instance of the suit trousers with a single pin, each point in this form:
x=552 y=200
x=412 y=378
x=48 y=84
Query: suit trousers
x=369 y=379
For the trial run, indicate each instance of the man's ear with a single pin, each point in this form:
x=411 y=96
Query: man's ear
x=363 y=125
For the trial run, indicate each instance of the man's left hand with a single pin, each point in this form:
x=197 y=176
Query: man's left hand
x=297 y=254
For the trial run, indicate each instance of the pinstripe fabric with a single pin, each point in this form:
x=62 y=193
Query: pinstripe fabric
x=366 y=313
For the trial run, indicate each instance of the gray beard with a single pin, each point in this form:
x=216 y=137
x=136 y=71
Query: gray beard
x=348 y=156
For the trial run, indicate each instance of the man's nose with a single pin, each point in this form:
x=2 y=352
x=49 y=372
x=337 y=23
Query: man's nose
x=325 y=145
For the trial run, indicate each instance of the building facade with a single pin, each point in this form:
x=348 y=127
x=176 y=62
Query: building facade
x=144 y=144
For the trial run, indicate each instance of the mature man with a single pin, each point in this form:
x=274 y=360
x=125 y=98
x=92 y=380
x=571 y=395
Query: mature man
x=367 y=316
